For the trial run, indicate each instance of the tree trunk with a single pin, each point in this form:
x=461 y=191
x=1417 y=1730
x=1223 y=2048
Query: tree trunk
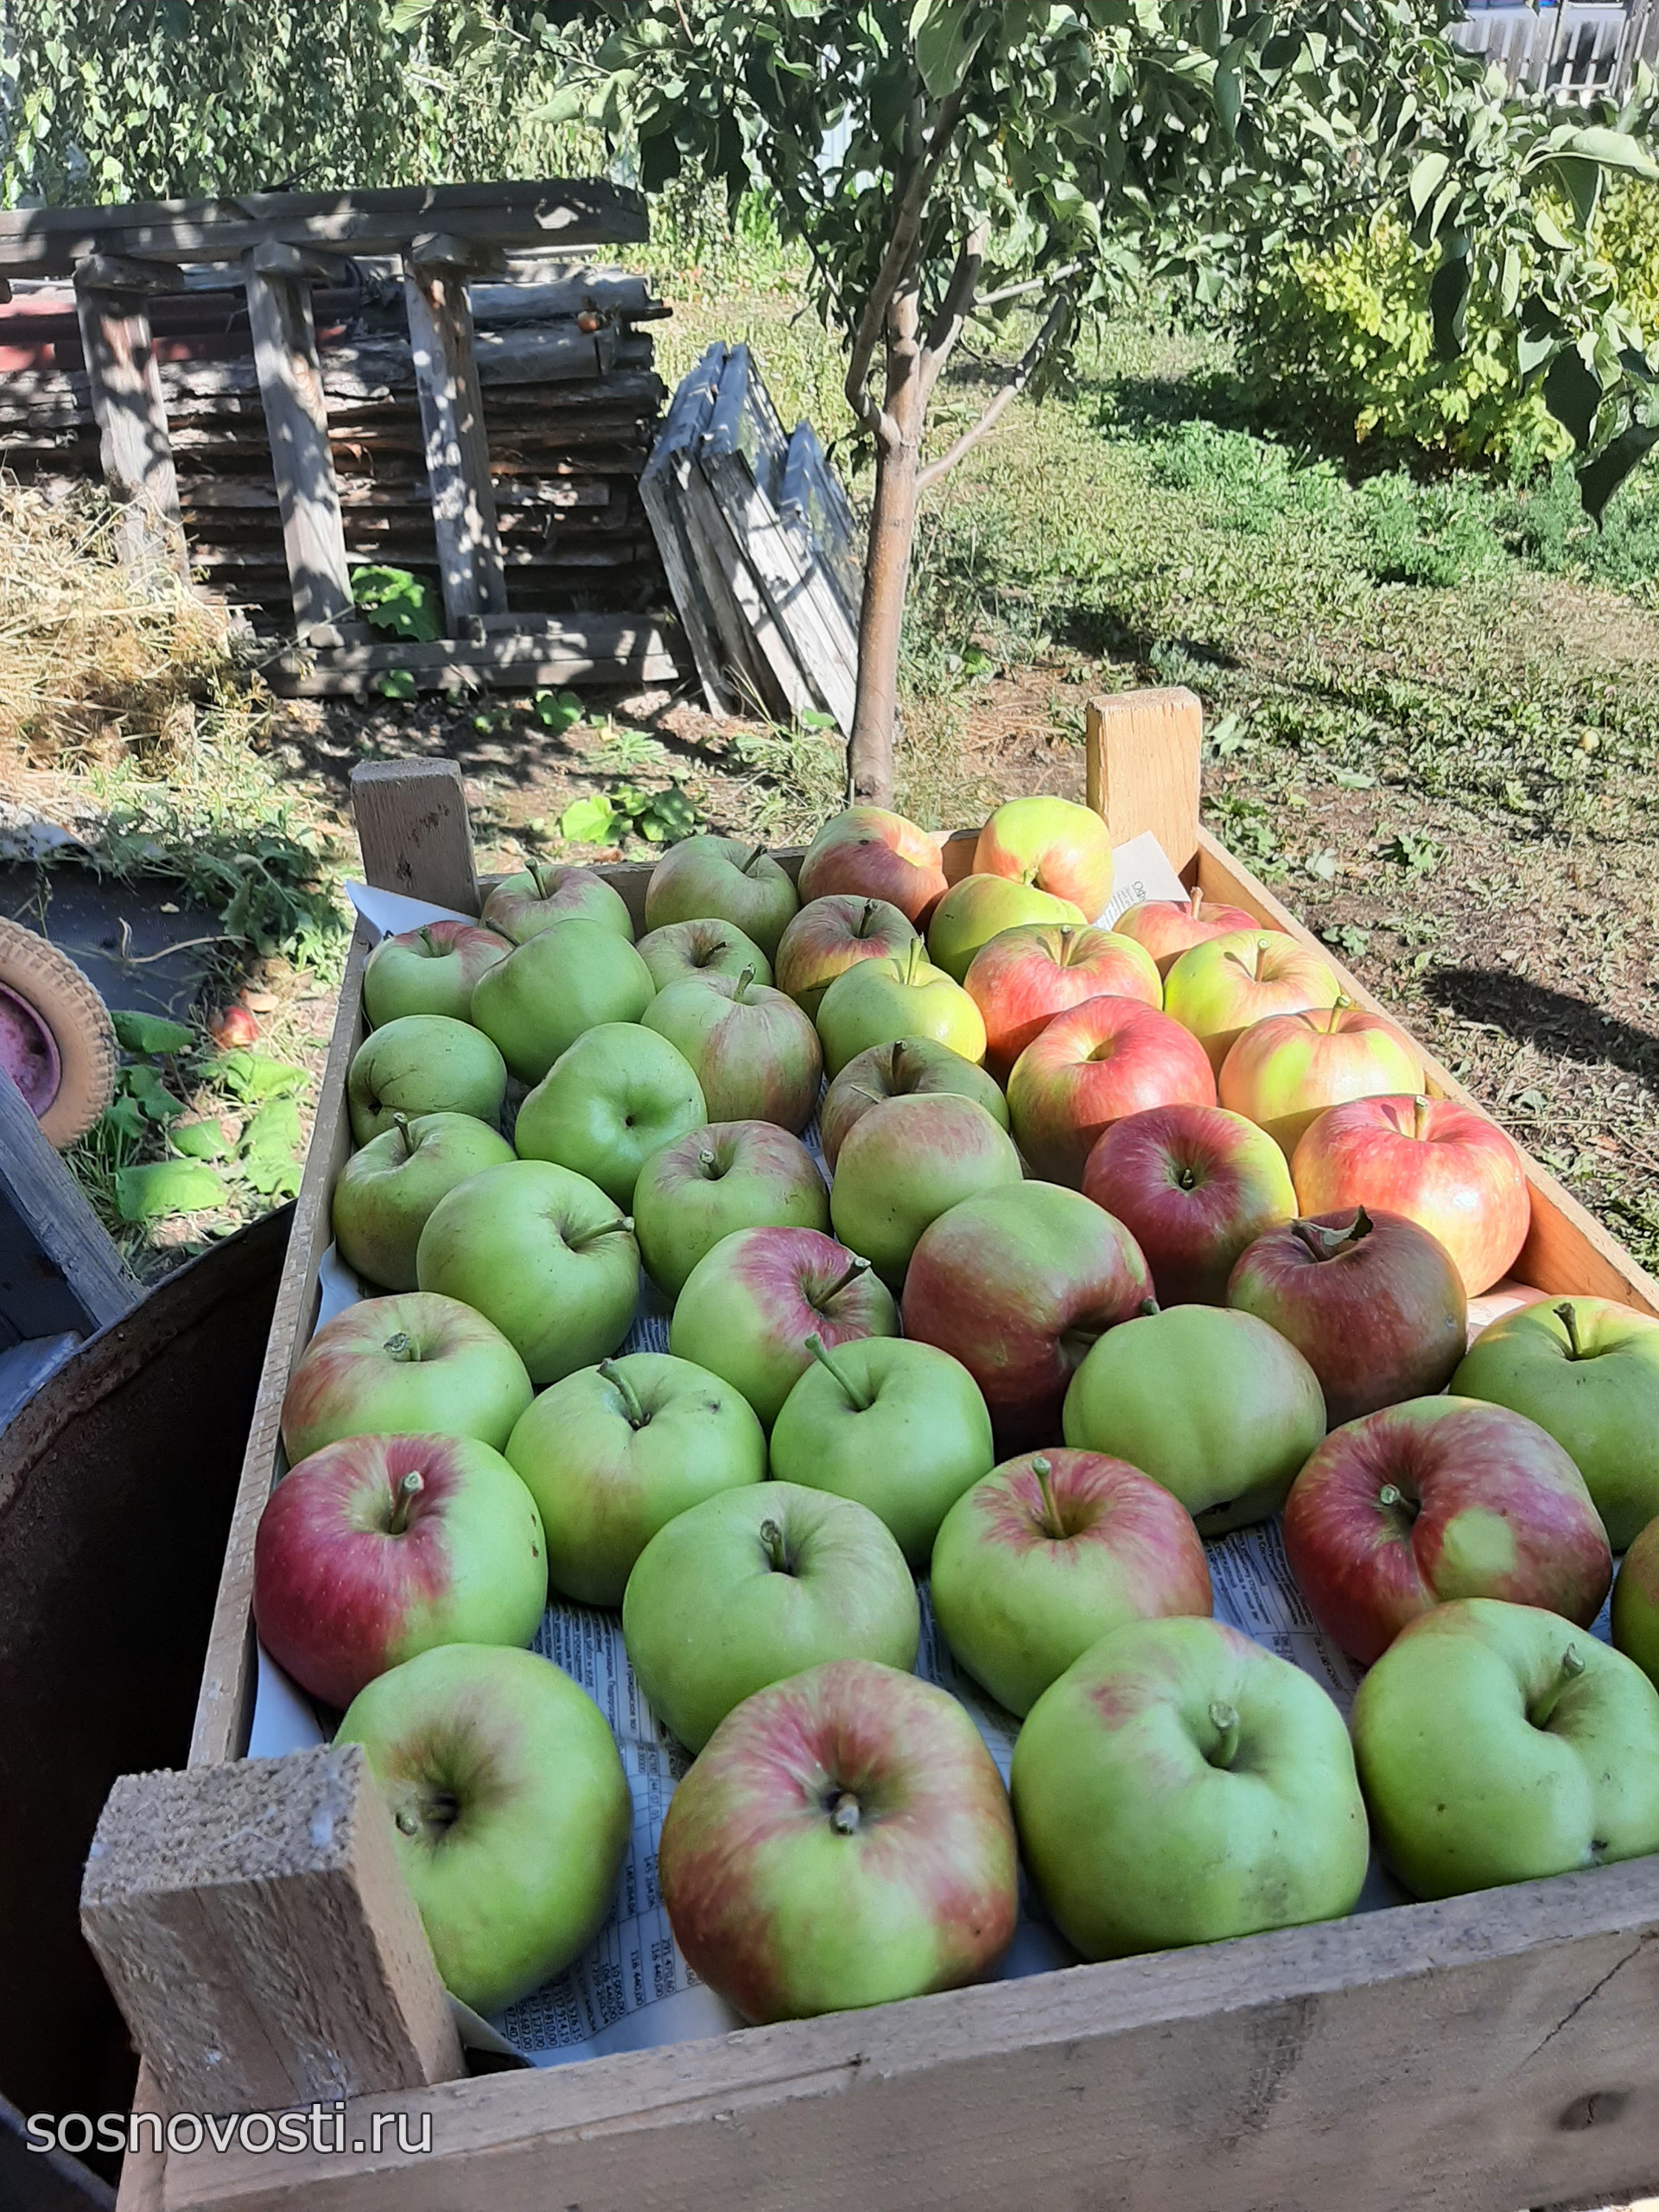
x=886 y=562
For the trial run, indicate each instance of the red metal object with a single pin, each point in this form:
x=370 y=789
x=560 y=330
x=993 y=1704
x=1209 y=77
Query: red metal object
x=28 y=1051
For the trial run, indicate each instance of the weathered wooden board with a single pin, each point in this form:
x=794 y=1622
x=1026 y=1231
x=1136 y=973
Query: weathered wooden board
x=123 y=392
x=296 y=423
x=470 y=573
x=59 y=1268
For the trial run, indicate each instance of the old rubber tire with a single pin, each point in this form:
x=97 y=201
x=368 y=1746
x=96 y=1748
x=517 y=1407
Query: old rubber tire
x=49 y=982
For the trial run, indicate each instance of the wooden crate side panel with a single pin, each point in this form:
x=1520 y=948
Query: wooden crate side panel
x=1567 y=1251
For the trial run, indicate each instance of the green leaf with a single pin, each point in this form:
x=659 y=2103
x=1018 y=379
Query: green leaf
x=1448 y=299
x=166 y=1186
x=1572 y=393
x=124 y=1117
x=200 y=1140
x=1613 y=150
x=588 y=821
x=557 y=710
x=154 y=1098
x=257 y=1075
x=149 y=1033
x=393 y=600
x=1599 y=479
x=1582 y=180
x=273 y=1132
x=1425 y=180
x=946 y=35
x=395 y=683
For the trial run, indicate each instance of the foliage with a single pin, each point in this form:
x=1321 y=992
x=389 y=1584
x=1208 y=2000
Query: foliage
x=627 y=810
x=397 y=603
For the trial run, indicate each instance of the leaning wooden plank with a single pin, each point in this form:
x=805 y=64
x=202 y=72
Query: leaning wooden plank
x=59 y=1267
x=296 y=419
x=457 y=447
x=123 y=391
x=813 y=503
x=661 y=483
x=745 y=421
x=748 y=626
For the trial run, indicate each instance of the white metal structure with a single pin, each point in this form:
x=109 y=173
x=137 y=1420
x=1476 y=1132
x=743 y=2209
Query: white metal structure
x=1580 y=50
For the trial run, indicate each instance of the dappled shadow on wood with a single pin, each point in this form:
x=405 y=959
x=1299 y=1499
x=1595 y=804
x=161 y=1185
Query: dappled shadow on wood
x=1531 y=1013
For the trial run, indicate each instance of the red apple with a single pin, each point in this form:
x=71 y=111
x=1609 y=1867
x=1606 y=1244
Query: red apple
x=1024 y=977
x=430 y=969
x=1089 y=1068
x=380 y=1547
x=1193 y=1186
x=520 y=907
x=909 y=1067
x=411 y=1365
x=1440 y=1164
x=829 y=936
x=1217 y=989
x=1168 y=927
x=753 y=1051
x=1017 y=1284
x=1288 y=1069
x=1373 y=1304
x=842 y=1840
x=1436 y=1499
x=873 y=855
x=1053 y=844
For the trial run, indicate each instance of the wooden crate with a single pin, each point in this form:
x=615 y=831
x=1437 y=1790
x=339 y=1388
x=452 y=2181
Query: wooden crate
x=1478 y=2055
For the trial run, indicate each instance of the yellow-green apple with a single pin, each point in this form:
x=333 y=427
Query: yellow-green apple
x=1193 y=1186
x=726 y=1176
x=430 y=969
x=566 y=979
x=829 y=936
x=1435 y=1499
x=1636 y=1603
x=1017 y=1285
x=416 y=1365
x=721 y=879
x=753 y=1052
x=900 y=1427
x=1169 y=927
x=424 y=1064
x=1054 y=843
x=1286 y=1068
x=377 y=1548
x=618 y=1094
x=522 y=905
x=384 y=1193
x=844 y=1840
x=754 y=1586
x=683 y=949
x=1372 y=1302
x=981 y=907
x=749 y=1305
x=905 y=1163
x=611 y=1453
x=1026 y=975
x=1498 y=1743
x=1218 y=989
x=1180 y=1784
x=907 y=1067
x=509 y=1811
x=1442 y=1165
x=544 y=1254
x=1588 y=1370
x=879 y=1002
x=1048 y=1554
x=871 y=854
x=1215 y=1405
x=1089 y=1068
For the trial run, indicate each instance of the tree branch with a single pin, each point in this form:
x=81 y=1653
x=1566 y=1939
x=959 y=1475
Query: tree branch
x=895 y=262
x=1010 y=391
x=1032 y=284
x=955 y=308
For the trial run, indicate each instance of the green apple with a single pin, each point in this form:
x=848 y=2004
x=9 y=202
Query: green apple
x=1588 y=1371
x=1498 y=1743
x=1212 y=1403
x=424 y=1064
x=981 y=907
x=907 y=1162
x=900 y=1426
x=509 y=1811
x=544 y=1254
x=430 y=969
x=755 y=1052
x=417 y=1364
x=564 y=980
x=618 y=1094
x=1180 y=1784
x=522 y=906
x=727 y=1176
x=383 y=1194
x=879 y=1001
x=721 y=879
x=1636 y=1603
x=683 y=949
x=908 y=1067
x=754 y=1585
x=1051 y=1553
x=611 y=1453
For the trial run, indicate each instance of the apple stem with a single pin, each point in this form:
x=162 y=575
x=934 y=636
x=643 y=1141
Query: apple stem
x=1146 y=1308
x=397 y=1347
x=1195 y=903
x=538 y=877
x=605 y=1229
x=775 y=1548
x=708 y=1162
x=426 y=939
x=400 y=1123
x=1325 y=1243
x=1066 y=934
x=895 y=1062
x=1571 y=1668
x=844 y=1813
x=1051 y=1524
x=815 y=1346
x=1420 y=1117
x=1567 y=1314
x=1340 y=1005
x=408 y=1491
x=748 y=864
x=743 y=983
x=407 y=1823
x=619 y=1381
x=1393 y=1499
x=1224 y=1718
x=866 y=919
x=858 y=1268
x=913 y=956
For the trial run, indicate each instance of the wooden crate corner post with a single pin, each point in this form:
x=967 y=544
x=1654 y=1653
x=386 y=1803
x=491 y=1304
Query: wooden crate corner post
x=1142 y=752
x=413 y=831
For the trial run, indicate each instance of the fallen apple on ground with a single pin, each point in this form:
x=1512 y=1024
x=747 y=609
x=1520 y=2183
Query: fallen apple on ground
x=683 y=949
x=1218 y=989
x=721 y=879
x=424 y=1064
x=1106 y=1058
x=411 y=1365
x=754 y=1586
x=1180 y=1784
x=1052 y=844
x=907 y=1067
x=872 y=853
x=1026 y=975
x=905 y=1163
x=385 y=1193
x=981 y=907
x=1497 y=1742
x=1169 y=927
x=721 y=1177
x=616 y=1096
x=1286 y=1070
x=753 y=1051
x=881 y=1001
x=1435 y=1499
x=509 y=1811
x=1048 y=1553
x=1193 y=1186
x=377 y=1548
x=564 y=980
x=430 y=969
x=844 y=1840
x=829 y=936
x=521 y=905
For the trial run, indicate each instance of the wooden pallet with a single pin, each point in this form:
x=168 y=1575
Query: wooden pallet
x=1476 y=2055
